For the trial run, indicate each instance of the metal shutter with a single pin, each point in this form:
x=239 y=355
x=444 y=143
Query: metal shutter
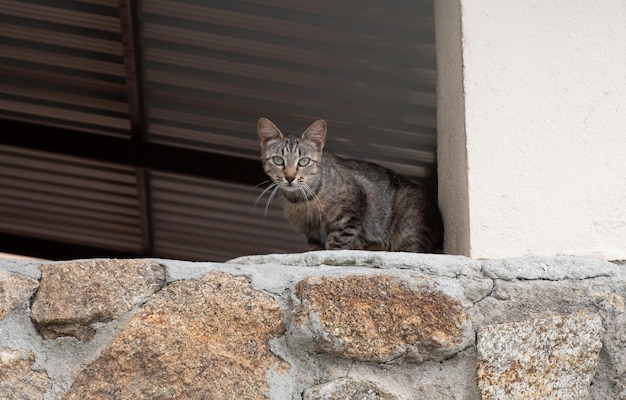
x=161 y=157
x=60 y=198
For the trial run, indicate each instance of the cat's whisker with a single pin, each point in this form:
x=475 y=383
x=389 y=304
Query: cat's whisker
x=313 y=195
x=256 y=186
x=305 y=197
x=310 y=213
x=269 y=200
x=306 y=192
x=269 y=187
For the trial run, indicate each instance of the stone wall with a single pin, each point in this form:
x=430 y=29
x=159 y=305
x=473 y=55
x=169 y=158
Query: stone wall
x=319 y=325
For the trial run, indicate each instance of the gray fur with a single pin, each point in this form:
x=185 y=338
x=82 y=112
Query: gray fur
x=346 y=204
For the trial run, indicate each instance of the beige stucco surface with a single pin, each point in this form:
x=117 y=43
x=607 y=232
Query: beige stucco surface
x=544 y=128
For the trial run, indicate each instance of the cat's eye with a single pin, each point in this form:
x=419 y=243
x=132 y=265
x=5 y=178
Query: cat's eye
x=303 y=162
x=278 y=160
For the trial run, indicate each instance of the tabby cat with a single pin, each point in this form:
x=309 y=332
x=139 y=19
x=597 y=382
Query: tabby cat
x=346 y=204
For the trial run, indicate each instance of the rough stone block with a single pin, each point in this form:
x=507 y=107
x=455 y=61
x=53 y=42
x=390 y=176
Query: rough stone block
x=347 y=388
x=14 y=290
x=381 y=318
x=544 y=359
x=74 y=295
x=18 y=380
x=195 y=339
x=610 y=379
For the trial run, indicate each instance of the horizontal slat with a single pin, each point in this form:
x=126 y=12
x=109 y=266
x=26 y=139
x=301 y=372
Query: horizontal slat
x=61 y=60
x=69 y=115
x=269 y=227
x=68 y=81
x=415 y=16
x=72 y=41
x=38 y=93
x=117 y=242
x=44 y=225
x=77 y=166
x=54 y=124
x=51 y=191
x=60 y=15
x=209 y=252
x=108 y=218
x=222 y=232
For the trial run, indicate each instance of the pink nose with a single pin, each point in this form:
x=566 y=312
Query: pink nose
x=290 y=178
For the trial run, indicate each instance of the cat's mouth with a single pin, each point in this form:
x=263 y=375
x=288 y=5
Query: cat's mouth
x=290 y=186
x=295 y=191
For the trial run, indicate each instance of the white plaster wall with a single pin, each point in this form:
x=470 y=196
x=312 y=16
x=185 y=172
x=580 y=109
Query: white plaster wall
x=545 y=126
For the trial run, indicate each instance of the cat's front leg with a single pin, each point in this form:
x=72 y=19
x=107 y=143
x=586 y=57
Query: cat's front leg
x=344 y=234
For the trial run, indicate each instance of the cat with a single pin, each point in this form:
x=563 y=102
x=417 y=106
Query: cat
x=339 y=203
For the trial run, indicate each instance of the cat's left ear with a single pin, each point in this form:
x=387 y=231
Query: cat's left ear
x=267 y=131
x=316 y=133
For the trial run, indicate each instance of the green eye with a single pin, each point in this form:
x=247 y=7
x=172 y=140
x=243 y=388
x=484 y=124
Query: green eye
x=278 y=160
x=303 y=162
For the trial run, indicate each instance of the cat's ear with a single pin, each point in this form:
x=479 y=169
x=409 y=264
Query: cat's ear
x=267 y=131
x=316 y=133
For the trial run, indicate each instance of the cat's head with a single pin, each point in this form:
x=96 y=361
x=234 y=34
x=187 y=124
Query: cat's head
x=291 y=161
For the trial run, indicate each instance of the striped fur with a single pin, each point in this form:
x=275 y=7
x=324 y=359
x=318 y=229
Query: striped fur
x=346 y=204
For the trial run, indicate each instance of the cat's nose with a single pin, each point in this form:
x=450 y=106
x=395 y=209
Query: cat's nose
x=290 y=178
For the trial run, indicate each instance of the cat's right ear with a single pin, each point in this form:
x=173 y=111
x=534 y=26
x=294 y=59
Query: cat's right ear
x=316 y=133
x=267 y=131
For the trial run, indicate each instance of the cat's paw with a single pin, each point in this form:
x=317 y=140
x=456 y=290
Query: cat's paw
x=341 y=240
